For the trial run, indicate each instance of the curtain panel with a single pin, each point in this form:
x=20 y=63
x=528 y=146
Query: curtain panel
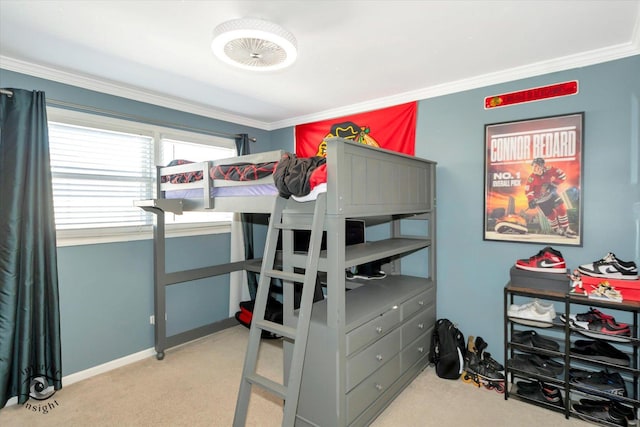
x=30 y=349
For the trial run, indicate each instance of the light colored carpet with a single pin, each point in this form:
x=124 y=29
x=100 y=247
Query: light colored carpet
x=196 y=385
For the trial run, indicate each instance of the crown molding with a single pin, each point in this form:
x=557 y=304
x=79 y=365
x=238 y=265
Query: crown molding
x=129 y=92
x=545 y=67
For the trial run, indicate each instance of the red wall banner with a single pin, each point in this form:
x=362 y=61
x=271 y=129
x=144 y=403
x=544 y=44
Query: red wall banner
x=529 y=95
x=392 y=128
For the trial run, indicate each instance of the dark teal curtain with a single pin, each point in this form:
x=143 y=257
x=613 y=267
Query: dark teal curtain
x=30 y=353
x=242 y=144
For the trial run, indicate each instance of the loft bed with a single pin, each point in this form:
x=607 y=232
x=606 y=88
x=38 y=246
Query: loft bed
x=367 y=339
x=363 y=182
x=200 y=187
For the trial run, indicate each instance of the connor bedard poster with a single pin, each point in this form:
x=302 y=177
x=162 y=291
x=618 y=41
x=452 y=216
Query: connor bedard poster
x=533 y=180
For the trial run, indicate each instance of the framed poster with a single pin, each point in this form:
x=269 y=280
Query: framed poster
x=533 y=180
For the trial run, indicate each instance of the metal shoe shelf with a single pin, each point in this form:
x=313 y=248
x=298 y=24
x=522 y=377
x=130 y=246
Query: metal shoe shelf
x=564 y=335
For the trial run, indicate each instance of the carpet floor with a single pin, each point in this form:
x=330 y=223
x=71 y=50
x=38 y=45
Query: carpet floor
x=196 y=385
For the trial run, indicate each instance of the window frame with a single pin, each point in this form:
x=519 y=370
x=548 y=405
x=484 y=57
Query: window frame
x=88 y=236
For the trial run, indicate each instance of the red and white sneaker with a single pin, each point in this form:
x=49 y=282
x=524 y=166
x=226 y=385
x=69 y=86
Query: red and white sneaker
x=548 y=260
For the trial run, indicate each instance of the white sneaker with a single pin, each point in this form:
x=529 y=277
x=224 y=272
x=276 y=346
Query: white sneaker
x=534 y=313
x=542 y=307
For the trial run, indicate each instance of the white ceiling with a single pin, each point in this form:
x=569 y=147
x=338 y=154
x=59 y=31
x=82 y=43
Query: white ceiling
x=353 y=55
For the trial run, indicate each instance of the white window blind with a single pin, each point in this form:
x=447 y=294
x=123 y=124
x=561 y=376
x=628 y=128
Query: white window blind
x=173 y=149
x=97 y=174
x=101 y=165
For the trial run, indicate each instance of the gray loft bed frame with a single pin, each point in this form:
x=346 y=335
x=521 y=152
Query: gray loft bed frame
x=363 y=182
x=160 y=205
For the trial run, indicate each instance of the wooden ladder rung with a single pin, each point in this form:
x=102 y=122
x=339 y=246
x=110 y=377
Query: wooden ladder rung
x=267 y=384
x=286 y=276
x=276 y=328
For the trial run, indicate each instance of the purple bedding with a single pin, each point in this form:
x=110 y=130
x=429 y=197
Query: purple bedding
x=235 y=191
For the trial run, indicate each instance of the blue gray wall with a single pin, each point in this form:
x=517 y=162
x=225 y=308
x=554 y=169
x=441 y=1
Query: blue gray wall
x=106 y=290
x=473 y=272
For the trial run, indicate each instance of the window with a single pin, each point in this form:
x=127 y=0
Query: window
x=100 y=166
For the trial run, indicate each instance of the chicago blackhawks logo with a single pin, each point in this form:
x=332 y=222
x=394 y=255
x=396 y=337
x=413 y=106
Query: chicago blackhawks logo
x=350 y=131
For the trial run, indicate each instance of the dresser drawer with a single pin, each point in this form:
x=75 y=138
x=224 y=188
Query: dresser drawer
x=418 y=324
x=372 y=330
x=418 y=302
x=371 y=388
x=371 y=358
x=416 y=350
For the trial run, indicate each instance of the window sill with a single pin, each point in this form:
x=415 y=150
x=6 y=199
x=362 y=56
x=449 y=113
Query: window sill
x=128 y=234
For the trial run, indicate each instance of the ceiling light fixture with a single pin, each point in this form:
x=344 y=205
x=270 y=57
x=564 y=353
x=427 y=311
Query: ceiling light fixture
x=254 y=44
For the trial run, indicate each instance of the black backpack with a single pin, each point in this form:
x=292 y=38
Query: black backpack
x=448 y=350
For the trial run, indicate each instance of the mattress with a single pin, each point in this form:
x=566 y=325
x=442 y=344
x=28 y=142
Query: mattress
x=233 y=191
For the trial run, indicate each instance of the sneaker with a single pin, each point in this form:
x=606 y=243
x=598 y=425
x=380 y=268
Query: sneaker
x=548 y=260
x=603 y=329
x=600 y=350
x=604 y=382
x=374 y=276
x=532 y=314
x=540 y=391
x=618 y=410
x=610 y=267
x=594 y=315
x=543 y=364
x=532 y=339
x=551 y=394
x=600 y=412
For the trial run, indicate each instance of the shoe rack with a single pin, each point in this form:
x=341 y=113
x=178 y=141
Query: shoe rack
x=565 y=335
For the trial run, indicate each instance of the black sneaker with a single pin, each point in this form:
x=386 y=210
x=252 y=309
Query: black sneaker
x=532 y=339
x=528 y=388
x=542 y=364
x=600 y=412
x=523 y=363
x=600 y=350
x=610 y=267
x=617 y=409
x=605 y=382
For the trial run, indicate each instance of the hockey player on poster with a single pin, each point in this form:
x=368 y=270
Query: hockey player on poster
x=541 y=191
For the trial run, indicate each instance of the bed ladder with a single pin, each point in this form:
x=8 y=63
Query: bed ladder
x=298 y=334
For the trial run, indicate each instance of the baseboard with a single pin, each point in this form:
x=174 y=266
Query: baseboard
x=100 y=369
x=106 y=367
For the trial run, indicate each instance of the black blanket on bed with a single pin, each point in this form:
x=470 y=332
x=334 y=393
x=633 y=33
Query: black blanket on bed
x=292 y=175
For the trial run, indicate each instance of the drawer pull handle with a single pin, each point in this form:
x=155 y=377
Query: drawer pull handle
x=379 y=357
x=379 y=329
x=420 y=349
x=420 y=325
x=379 y=387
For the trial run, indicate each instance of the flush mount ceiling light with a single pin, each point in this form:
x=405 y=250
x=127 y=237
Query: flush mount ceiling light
x=254 y=44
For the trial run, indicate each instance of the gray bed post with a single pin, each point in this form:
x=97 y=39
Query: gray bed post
x=160 y=305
